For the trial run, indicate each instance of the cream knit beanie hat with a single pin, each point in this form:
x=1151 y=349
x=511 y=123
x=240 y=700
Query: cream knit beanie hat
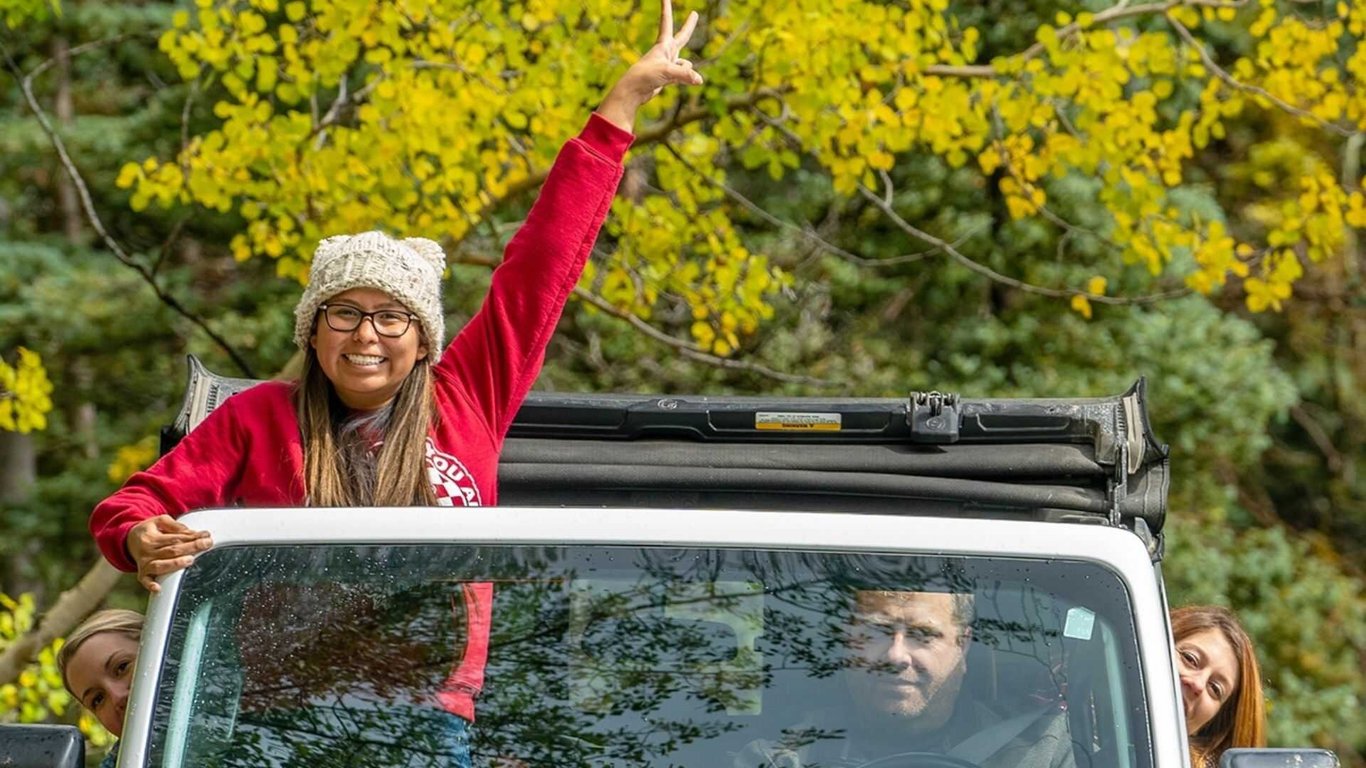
x=409 y=270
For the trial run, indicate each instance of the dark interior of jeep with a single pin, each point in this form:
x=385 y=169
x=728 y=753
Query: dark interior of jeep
x=329 y=654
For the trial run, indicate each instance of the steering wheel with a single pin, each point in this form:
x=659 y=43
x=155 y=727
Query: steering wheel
x=918 y=760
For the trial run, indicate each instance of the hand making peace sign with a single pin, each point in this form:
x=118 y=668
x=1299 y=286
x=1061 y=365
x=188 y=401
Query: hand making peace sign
x=661 y=66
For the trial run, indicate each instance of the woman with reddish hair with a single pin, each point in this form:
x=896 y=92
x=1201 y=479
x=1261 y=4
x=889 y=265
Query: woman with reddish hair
x=1221 y=683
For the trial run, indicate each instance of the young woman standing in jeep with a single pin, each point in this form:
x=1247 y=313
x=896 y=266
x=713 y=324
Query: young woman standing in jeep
x=382 y=415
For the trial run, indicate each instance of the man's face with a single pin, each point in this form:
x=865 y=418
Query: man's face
x=908 y=655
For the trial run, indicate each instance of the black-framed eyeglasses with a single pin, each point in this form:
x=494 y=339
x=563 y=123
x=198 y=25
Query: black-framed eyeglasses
x=392 y=323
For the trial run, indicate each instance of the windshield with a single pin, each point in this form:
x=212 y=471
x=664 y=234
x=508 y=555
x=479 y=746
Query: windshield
x=444 y=655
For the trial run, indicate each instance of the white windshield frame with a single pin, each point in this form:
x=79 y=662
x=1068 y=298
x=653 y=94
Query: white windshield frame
x=1112 y=548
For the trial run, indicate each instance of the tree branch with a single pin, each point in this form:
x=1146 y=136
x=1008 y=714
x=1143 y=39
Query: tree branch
x=688 y=349
x=1117 y=12
x=1122 y=10
x=1319 y=436
x=694 y=351
x=988 y=272
x=93 y=217
x=1351 y=179
x=757 y=210
x=647 y=135
x=1237 y=85
x=751 y=367
x=70 y=609
x=885 y=205
x=1114 y=13
x=186 y=109
x=164 y=252
x=635 y=322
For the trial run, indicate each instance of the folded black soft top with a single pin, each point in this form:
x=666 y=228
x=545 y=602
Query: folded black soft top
x=1082 y=460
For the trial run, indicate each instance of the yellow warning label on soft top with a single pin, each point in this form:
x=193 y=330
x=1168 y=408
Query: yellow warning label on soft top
x=797 y=422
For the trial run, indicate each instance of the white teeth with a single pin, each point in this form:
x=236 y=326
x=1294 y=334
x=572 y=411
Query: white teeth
x=364 y=359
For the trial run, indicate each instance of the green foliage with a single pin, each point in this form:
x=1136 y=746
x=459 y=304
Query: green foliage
x=39 y=692
x=1128 y=97
x=39 y=695
x=17 y=13
x=1305 y=616
x=1208 y=405
x=25 y=393
x=885 y=314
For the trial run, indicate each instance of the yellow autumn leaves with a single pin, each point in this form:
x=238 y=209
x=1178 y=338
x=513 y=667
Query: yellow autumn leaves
x=25 y=401
x=133 y=458
x=38 y=693
x=25 y=393
x=39 y=689
x=16 y=13
x=428 y=118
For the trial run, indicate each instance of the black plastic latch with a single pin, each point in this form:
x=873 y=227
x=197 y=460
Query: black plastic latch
x=933 y=417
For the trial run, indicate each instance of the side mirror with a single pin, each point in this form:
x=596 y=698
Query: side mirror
x=1279 y=758
x=41 y=746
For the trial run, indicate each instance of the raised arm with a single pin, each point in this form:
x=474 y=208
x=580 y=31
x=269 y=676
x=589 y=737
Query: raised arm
x=661 y=66
x=495 y=359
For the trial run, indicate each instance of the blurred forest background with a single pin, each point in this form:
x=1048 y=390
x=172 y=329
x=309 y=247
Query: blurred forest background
x=997 y=198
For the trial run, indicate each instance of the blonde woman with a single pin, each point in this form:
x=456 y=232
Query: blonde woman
x=96 y=664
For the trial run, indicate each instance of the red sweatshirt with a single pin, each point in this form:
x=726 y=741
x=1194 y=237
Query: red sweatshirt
x=248 y=452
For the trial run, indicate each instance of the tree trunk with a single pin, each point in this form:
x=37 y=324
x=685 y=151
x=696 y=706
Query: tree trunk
x=65 y=112
x=70 y=609
x=18 y=467
x=85 y=417
x=63 y=108
x=18 y=473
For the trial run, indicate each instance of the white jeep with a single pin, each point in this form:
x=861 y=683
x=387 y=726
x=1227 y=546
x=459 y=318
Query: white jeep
x=676 y=582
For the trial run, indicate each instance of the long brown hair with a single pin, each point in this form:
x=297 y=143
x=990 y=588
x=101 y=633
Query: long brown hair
x=1241 y=721
x=399 y=477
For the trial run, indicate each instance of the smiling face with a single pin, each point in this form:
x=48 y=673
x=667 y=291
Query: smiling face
x=1208 y=668
x=365 y=368
x=910 y=656
x=100 y=674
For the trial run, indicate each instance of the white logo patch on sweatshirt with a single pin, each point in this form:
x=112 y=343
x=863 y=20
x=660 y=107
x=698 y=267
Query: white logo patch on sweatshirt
x=453 y=484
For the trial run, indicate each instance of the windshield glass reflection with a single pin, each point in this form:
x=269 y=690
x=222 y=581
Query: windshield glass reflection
x=424 y=655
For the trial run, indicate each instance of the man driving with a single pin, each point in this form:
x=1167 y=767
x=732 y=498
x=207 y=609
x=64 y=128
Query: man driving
x=906 y=658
